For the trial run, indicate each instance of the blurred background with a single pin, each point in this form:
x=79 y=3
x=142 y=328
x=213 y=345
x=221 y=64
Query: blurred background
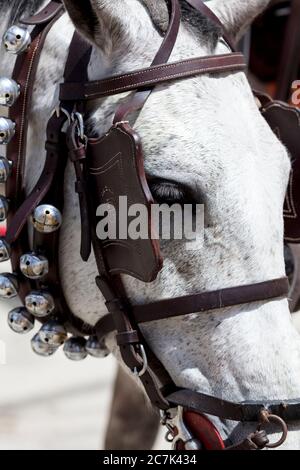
x=51 y=403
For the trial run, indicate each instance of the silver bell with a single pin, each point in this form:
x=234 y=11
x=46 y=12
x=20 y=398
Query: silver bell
x=20 y=320
x=4 y=250
x=41 y=348
x=3 y=208
x=16 y=39
x=53 y=333
x=9 y=92
x=7 y=130
x=74 y=349
x=8 y=286
x=40 y=304
x=96 y=348
x=46 y=219
x=5 y=169
x=34 y=266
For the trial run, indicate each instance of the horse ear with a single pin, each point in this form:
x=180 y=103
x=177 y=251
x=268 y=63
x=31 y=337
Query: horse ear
x=237 y=15
x=83 y=16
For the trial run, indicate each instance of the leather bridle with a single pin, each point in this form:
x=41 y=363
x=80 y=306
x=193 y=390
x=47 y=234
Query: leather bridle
x=123 y=317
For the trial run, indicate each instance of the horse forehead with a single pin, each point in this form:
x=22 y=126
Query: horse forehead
x=209 y=132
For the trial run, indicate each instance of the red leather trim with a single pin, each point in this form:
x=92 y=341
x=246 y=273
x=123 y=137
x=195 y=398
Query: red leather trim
x=203 y=430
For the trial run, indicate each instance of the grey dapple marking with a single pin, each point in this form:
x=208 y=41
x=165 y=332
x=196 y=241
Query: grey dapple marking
x=206 y=134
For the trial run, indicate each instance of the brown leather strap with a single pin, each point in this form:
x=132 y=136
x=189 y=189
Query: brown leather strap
x=139 y=98
x=250 y=411
x=255 y=441
x=206 y=11
x=48 y=244
x=78 y=60
x=208 y=301
x=77 y=154
x=44 y=183
x=152 y=76
x=130 y=352
x=24 y=73
x=45 y=15
x=104 y=327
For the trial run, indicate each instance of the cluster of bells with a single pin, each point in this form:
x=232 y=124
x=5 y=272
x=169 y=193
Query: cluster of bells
x=45 y=219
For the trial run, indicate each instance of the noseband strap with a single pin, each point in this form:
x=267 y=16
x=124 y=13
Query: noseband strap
x=208 y=301
x=247 y=411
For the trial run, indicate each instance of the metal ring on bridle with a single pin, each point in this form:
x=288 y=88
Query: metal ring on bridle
x=80 y=124
x=145 y=363
x=169 y=437
x=267 y=418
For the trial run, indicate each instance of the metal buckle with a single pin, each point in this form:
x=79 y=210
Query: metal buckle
x=135 y=371
x=58 y=110
x=177 y=430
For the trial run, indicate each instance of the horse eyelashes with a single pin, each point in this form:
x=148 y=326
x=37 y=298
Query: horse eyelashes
x=168 y=193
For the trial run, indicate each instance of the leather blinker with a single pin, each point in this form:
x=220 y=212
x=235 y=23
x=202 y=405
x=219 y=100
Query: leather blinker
x=116 y=169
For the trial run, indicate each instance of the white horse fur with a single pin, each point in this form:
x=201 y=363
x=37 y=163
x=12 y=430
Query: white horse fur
x=206 y=134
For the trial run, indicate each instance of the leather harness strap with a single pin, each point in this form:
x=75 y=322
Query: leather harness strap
x=24 y=74
x=243 y=412
x=50 y=12
x=208 y=301
x=152 y=76
x=139 y=98
x=50 y=183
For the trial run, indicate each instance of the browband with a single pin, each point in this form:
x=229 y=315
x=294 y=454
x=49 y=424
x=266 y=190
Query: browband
x=150 y=76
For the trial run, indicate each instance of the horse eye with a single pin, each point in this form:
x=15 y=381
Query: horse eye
x=169 y=192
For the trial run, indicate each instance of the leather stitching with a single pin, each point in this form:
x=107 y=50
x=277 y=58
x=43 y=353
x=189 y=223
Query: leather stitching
x=169 y=66
x=168 y=77
x=26 y=87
